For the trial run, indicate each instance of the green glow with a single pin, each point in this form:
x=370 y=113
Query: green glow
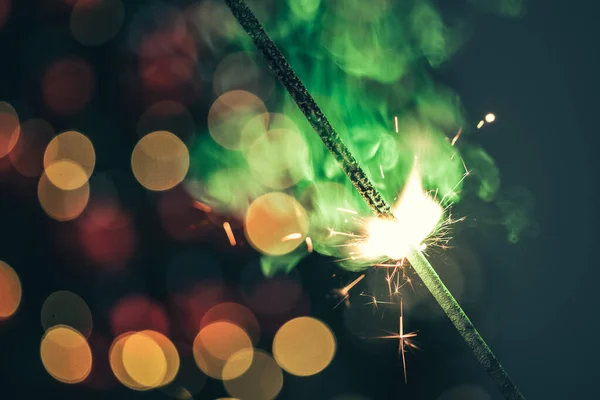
x=365 y=63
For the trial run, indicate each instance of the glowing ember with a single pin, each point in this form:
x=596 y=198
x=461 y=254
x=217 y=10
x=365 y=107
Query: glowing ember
x=490 y=118
x=417 y=216
x=229 y=233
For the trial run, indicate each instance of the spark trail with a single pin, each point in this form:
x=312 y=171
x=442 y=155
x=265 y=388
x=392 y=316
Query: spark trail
x=305 y=102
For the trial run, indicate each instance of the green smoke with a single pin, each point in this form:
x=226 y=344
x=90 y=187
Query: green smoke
x=366 y=63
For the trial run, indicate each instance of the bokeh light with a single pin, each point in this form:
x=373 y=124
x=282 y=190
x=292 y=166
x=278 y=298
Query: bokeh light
x=27 y=156
x=279 y=159
x=276 y=223
x=228 y=116
x=66 y=354
x=62 y=205
x=10 y=291
x=117 y=365
x=262 y=381
x=160 y=161
x=68 y=85
x=67 y=309
x=69 y=160
x=94 y=22
x=243 y=71
x=216 y=343
x=304 y=346
x=9 y=126
x=235 y=313
x=144 y=360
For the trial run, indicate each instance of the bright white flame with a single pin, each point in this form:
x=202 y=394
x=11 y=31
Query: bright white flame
x=417 y=216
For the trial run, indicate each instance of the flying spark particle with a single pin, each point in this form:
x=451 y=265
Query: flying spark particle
x=404 y=340
x=490 y=118
x=347 y=210
x=291 y=236
x=381 y=170
x=455 y=139
x=396 y=123
x=480 y=124
x=309 y=245
x=229 y=233
x=344 y=292
x=201 y=206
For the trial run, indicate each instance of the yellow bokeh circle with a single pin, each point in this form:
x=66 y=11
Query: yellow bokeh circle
x=263 y=380
x=216 y=343
x=276 y=223
x=304 y=346
x=10 y=291
x=66 y=354
x=60 y=204
x=69 y=160
x=160 y=161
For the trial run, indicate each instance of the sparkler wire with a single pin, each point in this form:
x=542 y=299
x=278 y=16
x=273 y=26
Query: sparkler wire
x=305 y=102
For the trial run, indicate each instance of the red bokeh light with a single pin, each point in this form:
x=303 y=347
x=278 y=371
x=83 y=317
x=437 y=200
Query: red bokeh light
x=137 y=313
x=68 y=85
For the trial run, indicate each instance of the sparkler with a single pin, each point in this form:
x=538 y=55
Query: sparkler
x=285 y=74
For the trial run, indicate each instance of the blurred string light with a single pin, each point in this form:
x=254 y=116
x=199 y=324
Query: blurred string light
x=241 y=71
x=216 y=343
x=229 y=115
x=59 y=204
x=67 y=309
x=95 y=22
x=9 y=128
x=10 y=291
x=262 y=380
x=144 y=360
x=66 y=354
x=69 y=160
x=160 y=161
x=304 y=346
x=271 y=219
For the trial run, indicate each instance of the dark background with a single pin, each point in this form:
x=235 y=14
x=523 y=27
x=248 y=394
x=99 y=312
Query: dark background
x=537 y=305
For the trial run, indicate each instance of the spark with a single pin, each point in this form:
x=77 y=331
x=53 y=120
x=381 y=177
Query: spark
x=333 y=232
x=417 y=216
x=381 y=170
x=374 y=301
x=346 y=210
x=309 y=244
x=201 y=206
x=490 y=118
x=291 y=236
x=456 y=137
x=404 y=340
x=345 y=291
x=229 y=233
x=396 y=123
x=480 y=124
